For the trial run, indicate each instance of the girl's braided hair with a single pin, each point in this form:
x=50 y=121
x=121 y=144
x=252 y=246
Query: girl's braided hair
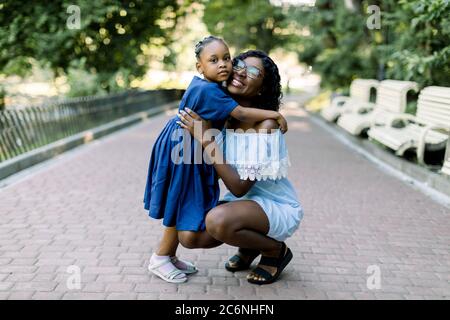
x=271 y=94
x=202 y=44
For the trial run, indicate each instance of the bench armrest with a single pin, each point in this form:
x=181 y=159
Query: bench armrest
x=421 y=145
x=365 y=107
x=339 y=101
x=406 y=118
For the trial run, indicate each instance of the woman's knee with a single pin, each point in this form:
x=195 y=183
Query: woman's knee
x=188 y=239
x=218 y=223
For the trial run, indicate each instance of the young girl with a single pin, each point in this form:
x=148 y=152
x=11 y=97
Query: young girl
x=182 y=193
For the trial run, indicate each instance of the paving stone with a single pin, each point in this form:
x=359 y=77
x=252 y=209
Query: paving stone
x=356 y=216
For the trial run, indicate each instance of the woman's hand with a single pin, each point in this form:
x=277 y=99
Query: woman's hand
x=282 y=123
x=192 y=122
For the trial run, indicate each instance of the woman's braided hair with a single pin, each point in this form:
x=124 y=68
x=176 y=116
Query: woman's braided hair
x=271 y=94
x=202 y=44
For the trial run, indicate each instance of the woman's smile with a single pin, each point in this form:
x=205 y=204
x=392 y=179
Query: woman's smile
x=236 y=82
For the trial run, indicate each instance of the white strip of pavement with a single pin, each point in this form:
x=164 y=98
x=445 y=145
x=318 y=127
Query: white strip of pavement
x=418 y=185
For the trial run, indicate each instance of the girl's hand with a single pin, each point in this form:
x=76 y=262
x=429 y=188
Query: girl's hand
x=190 y=121
x=282 y=123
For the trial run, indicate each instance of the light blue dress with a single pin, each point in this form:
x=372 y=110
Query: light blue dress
x=264 y=157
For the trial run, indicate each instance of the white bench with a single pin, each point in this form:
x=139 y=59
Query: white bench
x=428 y=129
x=446 y=166
x=391 y=99
x=360 y=90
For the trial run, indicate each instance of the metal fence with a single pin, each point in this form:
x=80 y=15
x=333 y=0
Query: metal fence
x=23 y=130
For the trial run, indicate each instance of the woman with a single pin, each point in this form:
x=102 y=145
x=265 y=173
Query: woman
x=262 y=209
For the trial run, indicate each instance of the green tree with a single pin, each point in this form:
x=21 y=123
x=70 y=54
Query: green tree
x=112 y=41
x=413 y=42
x=338 y=46
x=418 y=45
x=249 y=23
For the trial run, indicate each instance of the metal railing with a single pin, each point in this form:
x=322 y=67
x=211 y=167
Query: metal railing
x=23 y=130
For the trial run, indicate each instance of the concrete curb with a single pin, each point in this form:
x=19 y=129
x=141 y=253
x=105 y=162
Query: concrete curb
x=434 y=180
x=28 y=159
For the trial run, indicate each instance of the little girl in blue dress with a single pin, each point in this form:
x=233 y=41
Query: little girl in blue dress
x=182 y=193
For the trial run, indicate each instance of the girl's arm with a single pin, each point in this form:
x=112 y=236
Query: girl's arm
x=256 y=115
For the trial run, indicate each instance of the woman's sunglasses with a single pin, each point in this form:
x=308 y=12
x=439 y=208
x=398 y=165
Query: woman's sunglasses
x=252 y=71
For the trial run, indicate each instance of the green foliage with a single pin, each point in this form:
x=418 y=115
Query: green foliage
x=112 y=37
x=117 y=38
x=248 y=24
x=420 y=46
x=338 y=45
x=412 y=44
x=82 y=82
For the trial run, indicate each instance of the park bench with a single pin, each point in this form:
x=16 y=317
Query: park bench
x=427 y=130
x=446 y=166
x=360 y=91
x=391 y=100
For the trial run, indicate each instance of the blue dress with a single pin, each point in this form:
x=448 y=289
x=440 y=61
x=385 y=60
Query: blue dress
x=182 y=192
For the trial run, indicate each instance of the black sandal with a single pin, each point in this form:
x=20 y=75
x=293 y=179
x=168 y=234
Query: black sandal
x=280 y=263
x=240 y=264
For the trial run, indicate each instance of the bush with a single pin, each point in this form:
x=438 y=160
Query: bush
x=412 y=44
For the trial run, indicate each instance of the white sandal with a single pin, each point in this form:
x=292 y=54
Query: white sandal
x=170 y=276
x=190 y=267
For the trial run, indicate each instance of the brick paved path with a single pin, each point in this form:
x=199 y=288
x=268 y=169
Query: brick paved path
x=85 y=209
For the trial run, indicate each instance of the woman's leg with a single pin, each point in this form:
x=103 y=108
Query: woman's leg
x=197 y=240
x=243 y=224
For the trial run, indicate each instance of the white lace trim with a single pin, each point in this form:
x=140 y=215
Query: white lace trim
x=262 y=171
x=256 y=156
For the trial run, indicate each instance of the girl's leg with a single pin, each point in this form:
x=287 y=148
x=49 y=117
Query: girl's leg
x=168 y=247
x=243 y=224
x=169 y=243
x=160 y=261
x=164 y=261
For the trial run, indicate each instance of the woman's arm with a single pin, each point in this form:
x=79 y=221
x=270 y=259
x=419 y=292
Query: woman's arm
x=226 y=172
x=256 y=115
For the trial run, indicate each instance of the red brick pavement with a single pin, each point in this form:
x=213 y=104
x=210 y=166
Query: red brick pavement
x=85 y=209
